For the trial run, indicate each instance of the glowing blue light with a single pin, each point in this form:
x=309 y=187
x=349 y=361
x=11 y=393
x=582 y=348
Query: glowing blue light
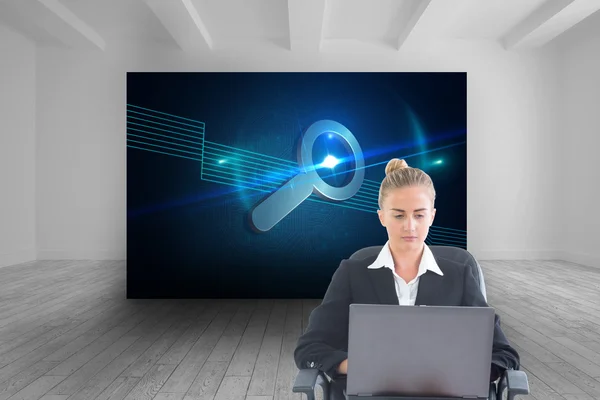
x=330 y=136
x=438 y=162
x=222 y=161
x=330 y=162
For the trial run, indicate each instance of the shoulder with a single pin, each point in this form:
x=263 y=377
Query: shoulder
x=354 y=267
x=357 y=264
x=451 y=260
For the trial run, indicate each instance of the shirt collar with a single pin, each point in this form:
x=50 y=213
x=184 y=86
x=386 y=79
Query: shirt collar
x=428 y=263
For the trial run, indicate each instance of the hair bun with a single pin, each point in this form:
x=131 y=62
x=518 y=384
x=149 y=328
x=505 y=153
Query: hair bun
x=395 y=164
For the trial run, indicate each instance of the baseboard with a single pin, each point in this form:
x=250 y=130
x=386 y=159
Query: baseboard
x=483 y=255
x=17 y=257
x=588 y=260
x=80 y=255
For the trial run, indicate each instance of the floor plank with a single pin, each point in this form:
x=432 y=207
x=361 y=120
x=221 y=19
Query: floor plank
x=267 y=363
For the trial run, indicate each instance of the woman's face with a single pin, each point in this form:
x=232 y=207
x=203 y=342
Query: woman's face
x=407 y=213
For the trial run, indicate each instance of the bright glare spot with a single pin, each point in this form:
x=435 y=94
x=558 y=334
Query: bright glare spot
x=438 y=162
x=222 y=161
x=330 y=162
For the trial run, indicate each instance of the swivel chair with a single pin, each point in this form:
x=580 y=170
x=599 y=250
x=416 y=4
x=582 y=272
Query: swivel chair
x=514 y=382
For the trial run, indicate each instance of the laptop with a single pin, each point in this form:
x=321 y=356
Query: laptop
x=420 y=352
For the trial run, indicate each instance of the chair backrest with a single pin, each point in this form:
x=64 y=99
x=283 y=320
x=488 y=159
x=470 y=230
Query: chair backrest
x=449 y=252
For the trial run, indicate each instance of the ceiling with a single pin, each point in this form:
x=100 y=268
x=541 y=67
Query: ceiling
x=295 y=25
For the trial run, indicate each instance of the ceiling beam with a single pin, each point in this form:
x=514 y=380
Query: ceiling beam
x=420 y=6
x=548 y=21
x=183 y=22
x=52 y=18
x=306 y=20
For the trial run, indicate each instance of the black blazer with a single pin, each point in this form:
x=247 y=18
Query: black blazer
x=324 y=343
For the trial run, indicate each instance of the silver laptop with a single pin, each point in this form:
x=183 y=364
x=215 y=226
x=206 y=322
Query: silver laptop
x=419 y=351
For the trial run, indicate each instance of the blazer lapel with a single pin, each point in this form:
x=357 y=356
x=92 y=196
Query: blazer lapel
x=384 y=285
x=431 y=289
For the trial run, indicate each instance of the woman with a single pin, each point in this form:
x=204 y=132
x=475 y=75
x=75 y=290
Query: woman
x=405 y=273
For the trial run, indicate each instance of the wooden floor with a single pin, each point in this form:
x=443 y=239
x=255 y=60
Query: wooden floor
x=66 y=332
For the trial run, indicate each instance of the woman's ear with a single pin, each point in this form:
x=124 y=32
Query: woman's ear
x=432 y=216
x=381 y=219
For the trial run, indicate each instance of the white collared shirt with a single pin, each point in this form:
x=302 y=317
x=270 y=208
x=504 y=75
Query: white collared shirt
x=406 y=292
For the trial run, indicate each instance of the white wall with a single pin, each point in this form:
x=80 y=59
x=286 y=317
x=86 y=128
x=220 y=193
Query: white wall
x=17 y=148
x=512 y=138
x=578 y=217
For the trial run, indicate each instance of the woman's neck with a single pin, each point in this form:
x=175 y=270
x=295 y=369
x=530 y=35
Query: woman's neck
x=406 y=260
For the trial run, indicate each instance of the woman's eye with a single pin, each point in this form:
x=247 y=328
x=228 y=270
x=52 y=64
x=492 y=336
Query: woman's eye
x=399 y=216
x=420 y=216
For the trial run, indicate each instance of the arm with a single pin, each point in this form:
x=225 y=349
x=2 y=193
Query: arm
x=324 y=344
x=503 y=355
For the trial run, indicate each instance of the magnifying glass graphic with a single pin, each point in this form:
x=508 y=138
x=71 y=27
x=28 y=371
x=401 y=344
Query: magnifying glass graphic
x=285 y=199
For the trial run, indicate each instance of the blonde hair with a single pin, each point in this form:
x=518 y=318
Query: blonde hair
x=398 y=174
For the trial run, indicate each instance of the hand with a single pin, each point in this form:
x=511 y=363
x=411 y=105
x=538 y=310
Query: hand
x=343 y=367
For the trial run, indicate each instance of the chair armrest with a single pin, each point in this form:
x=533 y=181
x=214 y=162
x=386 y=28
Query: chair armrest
x=307 y=379
x=515 y=382
x=492 y=392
